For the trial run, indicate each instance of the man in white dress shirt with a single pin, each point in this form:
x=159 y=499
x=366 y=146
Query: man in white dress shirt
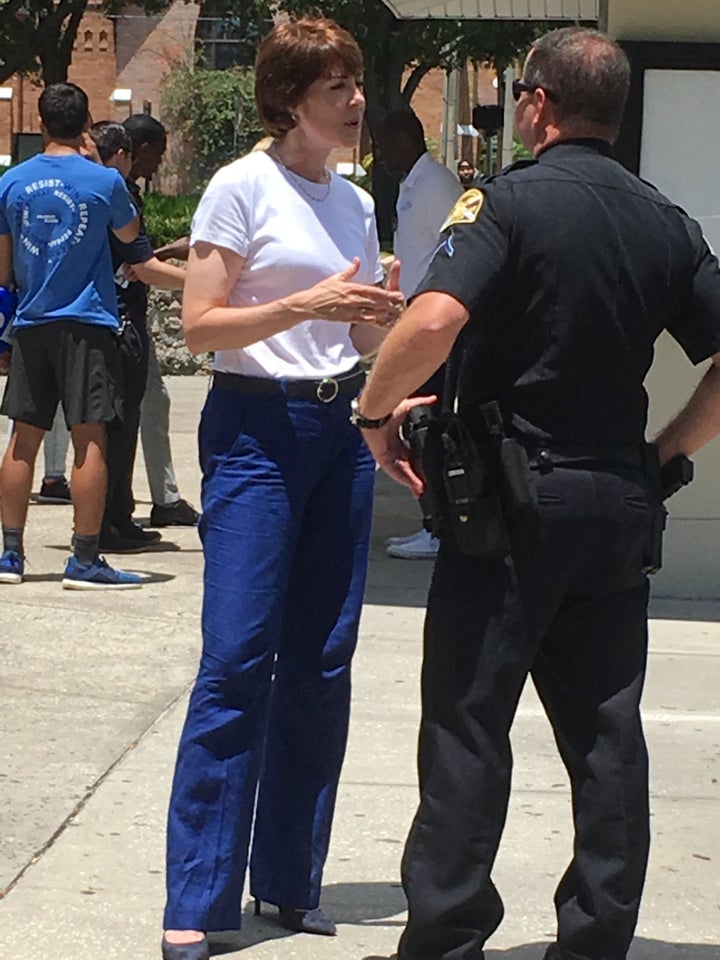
x=428 y=191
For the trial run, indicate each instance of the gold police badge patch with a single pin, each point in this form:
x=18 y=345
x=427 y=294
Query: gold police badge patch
x=466 y=210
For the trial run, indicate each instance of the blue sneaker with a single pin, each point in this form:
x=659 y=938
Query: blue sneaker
x=98 y=576
x=12 y=567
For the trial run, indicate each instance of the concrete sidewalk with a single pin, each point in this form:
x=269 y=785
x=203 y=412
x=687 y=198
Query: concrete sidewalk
x=93 y=696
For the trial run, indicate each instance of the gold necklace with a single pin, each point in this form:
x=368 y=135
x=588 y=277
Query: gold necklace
x=298 y=181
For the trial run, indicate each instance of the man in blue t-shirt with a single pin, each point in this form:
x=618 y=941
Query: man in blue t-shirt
x=55 y=211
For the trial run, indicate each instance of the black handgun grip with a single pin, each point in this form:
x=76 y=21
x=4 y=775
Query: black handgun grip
x=675 y=474
x=416 y=429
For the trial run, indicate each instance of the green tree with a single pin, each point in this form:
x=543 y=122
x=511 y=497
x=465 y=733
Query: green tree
x=391 y=46
x=37 y=36
x=399 y=53
x=214 y=112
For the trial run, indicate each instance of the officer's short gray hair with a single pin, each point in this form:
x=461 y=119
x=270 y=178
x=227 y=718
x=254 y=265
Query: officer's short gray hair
x=585 y=73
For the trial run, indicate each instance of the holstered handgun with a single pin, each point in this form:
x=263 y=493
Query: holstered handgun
x=652 y=559
x=662 y=482
x=677 y=473
x=416 y=429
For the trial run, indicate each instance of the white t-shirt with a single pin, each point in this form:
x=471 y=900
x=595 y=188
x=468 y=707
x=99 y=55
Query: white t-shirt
x=255 y=208
x=425 y=199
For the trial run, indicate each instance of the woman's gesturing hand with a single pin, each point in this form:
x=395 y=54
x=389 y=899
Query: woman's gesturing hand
x=340 y=299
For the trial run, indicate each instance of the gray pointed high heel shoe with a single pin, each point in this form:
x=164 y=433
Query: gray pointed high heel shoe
x=302 y=921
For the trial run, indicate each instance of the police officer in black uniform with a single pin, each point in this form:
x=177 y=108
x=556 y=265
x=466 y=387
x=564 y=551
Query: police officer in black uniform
x=560 y=273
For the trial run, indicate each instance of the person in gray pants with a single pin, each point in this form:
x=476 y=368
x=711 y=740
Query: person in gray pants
x=169 y=508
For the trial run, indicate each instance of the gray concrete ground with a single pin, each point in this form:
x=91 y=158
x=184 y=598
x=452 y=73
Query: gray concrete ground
x=93 y=695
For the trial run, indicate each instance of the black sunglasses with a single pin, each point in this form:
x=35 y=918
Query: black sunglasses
x=519 y=87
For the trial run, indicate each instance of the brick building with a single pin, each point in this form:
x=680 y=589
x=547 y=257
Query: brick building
x=120 y=62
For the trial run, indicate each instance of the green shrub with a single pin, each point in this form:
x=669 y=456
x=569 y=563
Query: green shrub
x=167 y=218
x=215 y=113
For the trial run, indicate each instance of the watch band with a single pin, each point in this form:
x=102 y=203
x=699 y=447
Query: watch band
x=365 y=423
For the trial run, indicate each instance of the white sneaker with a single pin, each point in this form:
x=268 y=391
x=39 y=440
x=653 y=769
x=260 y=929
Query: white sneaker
x=421 y=546
x=396 y=541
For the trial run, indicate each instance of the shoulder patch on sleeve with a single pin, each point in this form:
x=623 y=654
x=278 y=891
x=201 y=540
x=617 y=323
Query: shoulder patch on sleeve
x=466 y=209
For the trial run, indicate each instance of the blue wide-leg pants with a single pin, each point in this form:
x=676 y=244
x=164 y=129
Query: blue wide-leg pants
x=287 y=499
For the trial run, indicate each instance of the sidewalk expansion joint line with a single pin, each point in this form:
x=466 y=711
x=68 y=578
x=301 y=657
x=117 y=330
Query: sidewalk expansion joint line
x=124 y=615
x=89 y=794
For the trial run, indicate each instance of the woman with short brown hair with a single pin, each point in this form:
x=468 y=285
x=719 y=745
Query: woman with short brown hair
x=282 y=287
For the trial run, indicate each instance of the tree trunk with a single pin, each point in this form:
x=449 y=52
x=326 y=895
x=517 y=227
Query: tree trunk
x=384 y=186
x=57 y=36
x=385 y=191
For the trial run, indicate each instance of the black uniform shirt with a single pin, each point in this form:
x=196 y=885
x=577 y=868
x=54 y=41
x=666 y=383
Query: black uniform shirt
x=571 y=267
x=132 y=298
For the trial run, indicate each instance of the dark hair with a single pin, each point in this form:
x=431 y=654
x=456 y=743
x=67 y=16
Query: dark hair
x=144 y=129
x=110 y=137
x=293 y=56
x=64 y=110
x=586 y=73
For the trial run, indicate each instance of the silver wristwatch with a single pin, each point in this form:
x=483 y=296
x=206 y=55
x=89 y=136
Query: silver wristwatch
x=365 y=423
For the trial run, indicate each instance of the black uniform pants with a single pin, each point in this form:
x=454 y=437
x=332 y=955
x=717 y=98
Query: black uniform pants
x=571 y=611
x=122 y=438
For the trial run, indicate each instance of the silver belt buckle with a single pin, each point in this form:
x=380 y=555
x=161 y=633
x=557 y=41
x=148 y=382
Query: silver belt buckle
x=325 y=385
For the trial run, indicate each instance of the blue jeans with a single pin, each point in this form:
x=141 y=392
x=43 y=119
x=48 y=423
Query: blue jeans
x=287 y=499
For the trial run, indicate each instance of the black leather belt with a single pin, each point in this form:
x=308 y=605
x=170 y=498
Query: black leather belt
x=325 y=390
x=546 y=457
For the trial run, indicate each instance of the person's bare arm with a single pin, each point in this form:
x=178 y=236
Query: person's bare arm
x=177 y=250
x=154 y=273
x=210 y=324
x=699 y=420
x=419 y=343
x=129 y=232
x=6 y=260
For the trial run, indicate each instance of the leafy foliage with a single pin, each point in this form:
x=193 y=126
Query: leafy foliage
x=37 y=36
x=167 y=218
x=390 y=46
x=214 y=111
x=399 y=53
x=228 y=33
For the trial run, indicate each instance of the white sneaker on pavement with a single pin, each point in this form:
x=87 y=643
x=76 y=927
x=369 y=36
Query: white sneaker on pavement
x=395 y=541
x=421 y=546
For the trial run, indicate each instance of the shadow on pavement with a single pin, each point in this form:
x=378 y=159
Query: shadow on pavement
x=699 y=611
x=161 y=546
x=363 y=904
x=641 y=950
x=42 y=577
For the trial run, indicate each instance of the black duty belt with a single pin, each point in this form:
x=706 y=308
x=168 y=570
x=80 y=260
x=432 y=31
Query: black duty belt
x=325 y=390
x=544 y=458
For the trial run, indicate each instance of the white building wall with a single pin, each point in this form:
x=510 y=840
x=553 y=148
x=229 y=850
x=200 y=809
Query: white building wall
x=675 y=158
x=697 y=20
